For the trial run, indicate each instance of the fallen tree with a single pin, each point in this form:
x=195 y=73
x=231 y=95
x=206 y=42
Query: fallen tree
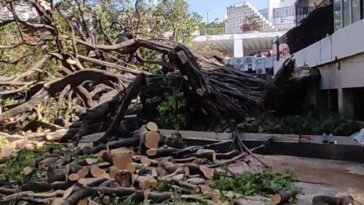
x=95 y=76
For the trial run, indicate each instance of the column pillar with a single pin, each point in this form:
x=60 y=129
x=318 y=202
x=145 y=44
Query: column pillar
x=346 y=102
x=238 y=47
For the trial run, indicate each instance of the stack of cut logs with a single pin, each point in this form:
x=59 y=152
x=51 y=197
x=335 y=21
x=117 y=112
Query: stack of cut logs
x=139 y=167
x=147 y=166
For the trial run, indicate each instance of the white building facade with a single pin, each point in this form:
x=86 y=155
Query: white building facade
x=279 y=16
x=339 y=56
x=236 y=17
x=282 y=14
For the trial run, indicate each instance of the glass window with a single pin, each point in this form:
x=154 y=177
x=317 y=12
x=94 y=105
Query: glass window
x=346 y=12
x=355 y=10
x=338 y=14
x=362 y=9
x=283 y=12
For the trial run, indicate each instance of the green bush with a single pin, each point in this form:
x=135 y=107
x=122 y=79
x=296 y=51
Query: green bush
x=171 y=111
x=309 y=123
x=251 y=183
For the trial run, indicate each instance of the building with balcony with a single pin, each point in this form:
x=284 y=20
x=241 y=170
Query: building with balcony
x=279 y=16
x=237 y=17
x=329 y=38
x=281 y=13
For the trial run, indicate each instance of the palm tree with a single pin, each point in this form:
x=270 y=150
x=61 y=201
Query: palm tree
x=252 y=23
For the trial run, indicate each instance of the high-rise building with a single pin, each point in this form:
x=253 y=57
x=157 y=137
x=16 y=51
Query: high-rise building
x=238 y=15
x=279 y=16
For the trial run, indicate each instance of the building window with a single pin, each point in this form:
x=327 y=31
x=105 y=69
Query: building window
x=338 y=14
x=346 y=12
x=283 y=12
x=355 y=9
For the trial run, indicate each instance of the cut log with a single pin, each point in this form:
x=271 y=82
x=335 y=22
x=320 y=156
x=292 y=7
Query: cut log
x=152 y=139
x=193 y=188
x=158 y=198
x=242 y=155
x=5 y=152
x=69 y=191
x=146 y=182
x=113 y=170
x=121 y=150
x=91 y=181
x=89 y=191
x=45 y=186
x=7 y=191
x=145 y=161
x=283 y=197
x=90 y=161
x=206 y=153
x=196 y=181
x=83 y=172
x=160 y=152
x=31 y=195
x=126 y=142
x=121 y=161
x=184 y=160
x=142 y=132
x=151 y=126
x=97 y=172
x=50 y=161
x=205 y=189
x=132 y=167
x=73 y=177
x=207 y=172
x=152 y=152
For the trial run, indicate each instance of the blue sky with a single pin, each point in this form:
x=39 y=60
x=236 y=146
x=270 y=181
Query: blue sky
x=217 y=8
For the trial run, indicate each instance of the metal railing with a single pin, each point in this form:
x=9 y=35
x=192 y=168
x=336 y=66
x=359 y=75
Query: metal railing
x=212 y=31
x=222 y=30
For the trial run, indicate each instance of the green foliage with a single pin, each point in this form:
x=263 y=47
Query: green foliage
x=175 y=17
x=214 y=28
x=309 y=123
x=171 y=109
x=13 y=167
x=250 y=183
x=3 y=141
x=176 y=140
x=164 y=186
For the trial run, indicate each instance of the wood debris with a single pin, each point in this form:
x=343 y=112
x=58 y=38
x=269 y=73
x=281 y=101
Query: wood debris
x=115 y=169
